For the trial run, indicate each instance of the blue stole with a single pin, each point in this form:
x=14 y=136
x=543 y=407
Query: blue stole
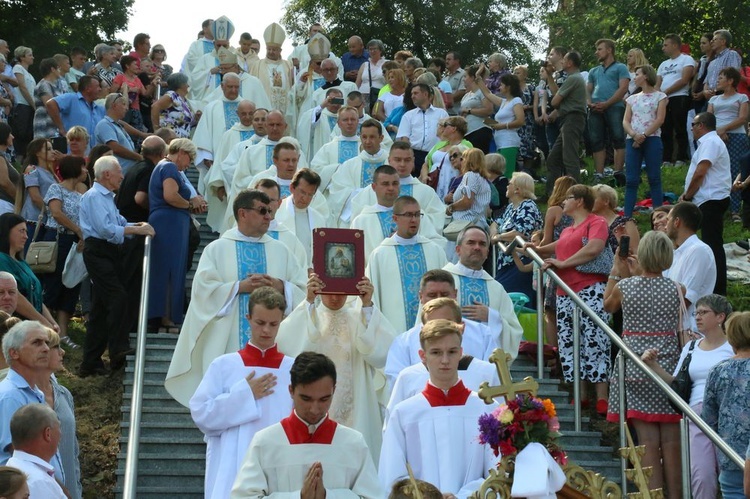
x=368 y=170
x=230 y=116
x=251 y=259
x=246 y=134
x=208 y=46
x=318 y=82
x=274 y=234
x=473 y=291
x=387 y=225
x=269 y=156
x=412 y=266
x=284 y=191
x=347 y=150
x=406 y=190
x=217 y=78
x=332 y=120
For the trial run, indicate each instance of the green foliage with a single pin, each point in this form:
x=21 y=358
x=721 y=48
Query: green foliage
x=476 y=28
x=55 y=27
x=643 y=24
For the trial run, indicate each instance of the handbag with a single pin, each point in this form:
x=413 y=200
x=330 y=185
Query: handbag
x=451 y=231
x=74 y=271
x=374 y=92
x=682 y=384
x=42 y=255
x=434 y=176
x=601 y=263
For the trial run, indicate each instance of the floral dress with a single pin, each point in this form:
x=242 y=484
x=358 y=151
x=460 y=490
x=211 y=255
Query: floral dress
x=177 y=117
x=528 y=138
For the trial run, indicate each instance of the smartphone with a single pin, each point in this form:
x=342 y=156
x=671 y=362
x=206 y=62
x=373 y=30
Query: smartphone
x=60 y=144
x=624 y=250
x=337 y=100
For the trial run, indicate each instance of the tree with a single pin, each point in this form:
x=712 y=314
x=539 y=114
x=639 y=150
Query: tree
x=475 y=28
x=55 y=27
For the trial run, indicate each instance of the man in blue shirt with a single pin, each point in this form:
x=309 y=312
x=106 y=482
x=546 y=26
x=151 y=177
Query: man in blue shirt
x=115 y=133
x=607 y=85
x=78 y=109
x=354 y=59
x=104 y=231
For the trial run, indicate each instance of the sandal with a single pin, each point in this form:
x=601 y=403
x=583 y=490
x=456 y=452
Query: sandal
x=65 y=340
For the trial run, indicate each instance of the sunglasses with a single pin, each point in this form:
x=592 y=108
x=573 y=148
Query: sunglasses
x=262 y=210
x=455 y=155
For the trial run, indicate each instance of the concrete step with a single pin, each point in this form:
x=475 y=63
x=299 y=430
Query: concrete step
x=165 y=491
x=156 y=471
x=165 y=429
x=153 y=445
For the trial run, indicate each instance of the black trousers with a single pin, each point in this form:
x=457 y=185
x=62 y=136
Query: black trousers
x=674 y=129
x=712 y=233
x=108 y=325
x=419 y=158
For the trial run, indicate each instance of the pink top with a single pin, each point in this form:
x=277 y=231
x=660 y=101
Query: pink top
x=571 y=240
x=134 y=87
x=644 y=108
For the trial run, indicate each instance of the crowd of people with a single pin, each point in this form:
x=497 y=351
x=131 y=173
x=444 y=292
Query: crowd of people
x=434 y=164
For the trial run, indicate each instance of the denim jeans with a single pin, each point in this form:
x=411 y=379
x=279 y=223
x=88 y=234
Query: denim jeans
x=649 y=151
x=730 y=482
x=611 y=122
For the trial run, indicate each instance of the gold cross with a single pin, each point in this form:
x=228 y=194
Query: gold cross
x=507 y=388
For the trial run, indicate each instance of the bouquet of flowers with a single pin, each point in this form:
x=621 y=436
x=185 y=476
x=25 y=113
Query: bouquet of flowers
x=523 y=420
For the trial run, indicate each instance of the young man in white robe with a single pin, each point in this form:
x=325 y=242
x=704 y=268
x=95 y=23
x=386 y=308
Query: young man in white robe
x=246 y=52
x=438 y=292
x=401 y=157
x=397 y=265
x=351 y=176
x=481 y=297
x=328 y=159
x=315 y=125
x=242 y=260
x=274 y=73
x=356 y=336
x=377 y=221
x=217 y=182
x=436 y=430
x=307 y=454
x=218 y=117
x=206 y=73
x=296 y=211
x=243 y=392
x=355 y=100
x=203 y=45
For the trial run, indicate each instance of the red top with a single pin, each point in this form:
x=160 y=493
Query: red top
x=253 y=356
x=571 y=240
x=298 y=433
x=134 y=87
x=457 y=395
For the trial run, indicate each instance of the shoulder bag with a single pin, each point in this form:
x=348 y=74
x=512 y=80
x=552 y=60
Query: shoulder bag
x=42 y=255
x=682 y=384
x=433 y=177
x=374 y=92
x=601 y=263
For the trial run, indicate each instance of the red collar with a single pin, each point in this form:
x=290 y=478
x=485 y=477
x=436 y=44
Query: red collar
x=457 y=395
x=297 y=432
x=253 y=356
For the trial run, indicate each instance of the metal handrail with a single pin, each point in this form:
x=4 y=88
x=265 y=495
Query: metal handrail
x=616 y=340
x=136 y=399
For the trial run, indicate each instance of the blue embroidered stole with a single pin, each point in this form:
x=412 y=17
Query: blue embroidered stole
x=274 y=234
x=230 y=114
x=217 y=76
x=269 y=155
x=411 y=265
x=387 y=225
x=347 y=150
x=246 y=134
x=284 y=191
x=368 y=170
x=406 y=190
x=251 y=259
x=318 y=82
x=473 y=291
x=332 y=120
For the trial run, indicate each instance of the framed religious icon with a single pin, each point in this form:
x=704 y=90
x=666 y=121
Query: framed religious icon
x=339 y=259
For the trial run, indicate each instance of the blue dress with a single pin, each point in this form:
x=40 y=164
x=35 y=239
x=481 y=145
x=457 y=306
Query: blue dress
x=170 y=245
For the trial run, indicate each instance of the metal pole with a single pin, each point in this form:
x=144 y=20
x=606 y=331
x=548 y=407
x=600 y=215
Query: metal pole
x=540 y=322
x=136 y=400
x=685 y=450
x=576 y=368
x=616 y=340
x=623 y=436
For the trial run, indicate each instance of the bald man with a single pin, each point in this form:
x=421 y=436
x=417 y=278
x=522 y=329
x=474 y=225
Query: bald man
x=8 y=293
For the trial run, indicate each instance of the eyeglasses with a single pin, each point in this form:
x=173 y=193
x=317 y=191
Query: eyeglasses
x=410 y=214
x=456 y=155
x=158 y=51
x=695 y=124
x=701 y=313
x=262 y=210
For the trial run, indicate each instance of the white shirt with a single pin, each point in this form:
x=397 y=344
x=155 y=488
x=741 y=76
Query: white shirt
x=671 y=71
x=40 y=475
x=420 y=127
x=694 y=267
x=700 y=363
x=718 y=180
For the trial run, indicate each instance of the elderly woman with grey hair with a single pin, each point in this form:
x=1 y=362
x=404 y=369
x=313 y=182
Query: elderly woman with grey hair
x=104 y=68
x=497 y=63
x=370 y=78
x=173 y=110
x=170 y=207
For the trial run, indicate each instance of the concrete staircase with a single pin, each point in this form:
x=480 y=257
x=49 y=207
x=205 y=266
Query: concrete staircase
x=172 y=451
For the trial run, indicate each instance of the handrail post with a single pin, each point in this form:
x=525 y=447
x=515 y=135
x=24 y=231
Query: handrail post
x=540 y=322
x=576 y=368
x=685 y=450
x=136 y=399
x=623 y=422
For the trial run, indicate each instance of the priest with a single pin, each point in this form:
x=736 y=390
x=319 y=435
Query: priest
x=250 y=86
x=396 y=266
x=308 y=454
x=481 y=297
x=243 y=392
x=356 y=336
x=217 y=182
x=435 y=431
x=339 y=150
x=203 y=45
x=274 y=73
x=329 y=71
x=379 y=221
x=242 y=260
x=206 y=75
x=315 y=125
x=354 y=99
x=401 y=157
x=218 y=117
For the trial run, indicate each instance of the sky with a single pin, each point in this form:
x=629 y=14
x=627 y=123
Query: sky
x=176 y=24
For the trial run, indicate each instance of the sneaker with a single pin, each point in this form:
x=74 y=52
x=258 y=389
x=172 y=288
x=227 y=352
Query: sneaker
x=736 y=218
x=679 y=164
x=598 y=178
x=608 y=171
x=667 y=164
x=619 y=177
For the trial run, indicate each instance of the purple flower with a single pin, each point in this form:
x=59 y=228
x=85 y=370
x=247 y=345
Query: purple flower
x=489 y=430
